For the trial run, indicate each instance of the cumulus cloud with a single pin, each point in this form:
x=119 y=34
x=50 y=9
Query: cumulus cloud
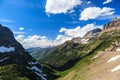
x=76 y=32
x=107 y=1
x=64 y=35
x=61 y=6
x=95 y=12
x=68 y=34
x=35 y=41
x=21 y=28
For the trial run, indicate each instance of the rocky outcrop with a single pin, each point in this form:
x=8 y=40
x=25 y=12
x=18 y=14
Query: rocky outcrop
x=90 y=35
x=7 y=38
x=77 y=39
x=113 y=24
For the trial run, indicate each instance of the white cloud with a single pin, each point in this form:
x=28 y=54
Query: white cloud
x=95 y=12
x=75 y=32
x=107 y=1
x=6 y=20
x=18 y=32
x=21 y=28
x=78 y=31
x=61 y=6
x=65 y=34
x=89 y=2
x=35 y=41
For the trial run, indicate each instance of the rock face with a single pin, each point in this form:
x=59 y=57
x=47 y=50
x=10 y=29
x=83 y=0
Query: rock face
x=7 y=38
x=12 y=52
x=77 y=40
x=90 y=35
x=113 y=24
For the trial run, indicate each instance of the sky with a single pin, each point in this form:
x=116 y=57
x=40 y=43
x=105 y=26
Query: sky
x=45 y=23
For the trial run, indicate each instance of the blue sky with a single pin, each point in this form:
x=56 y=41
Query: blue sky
x=43 y=23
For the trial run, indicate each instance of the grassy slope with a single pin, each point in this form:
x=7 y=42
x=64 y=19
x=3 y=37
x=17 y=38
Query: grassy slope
x=80 y=70
x=11 y=72
x=69 y=53
x=84 y=53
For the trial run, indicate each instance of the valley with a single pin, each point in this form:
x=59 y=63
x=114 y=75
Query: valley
x=95 y=56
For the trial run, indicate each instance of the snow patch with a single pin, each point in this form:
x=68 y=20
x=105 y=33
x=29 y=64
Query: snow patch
x=113 y=58
x=36 y=69
x=85 y=41
x=96 y=56
x=118 y=49
x=43 y=78
x=4 y=49
x=4 y=59
x=116 y=69
x=32 y=63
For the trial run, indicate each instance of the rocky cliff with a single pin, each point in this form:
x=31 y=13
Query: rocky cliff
x=113 y=24
x=12 y=53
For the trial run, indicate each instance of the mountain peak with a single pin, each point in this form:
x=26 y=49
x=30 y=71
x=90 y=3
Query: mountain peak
x=116 y=18
x=89 y=35
x=115 y=23
x=7 y=38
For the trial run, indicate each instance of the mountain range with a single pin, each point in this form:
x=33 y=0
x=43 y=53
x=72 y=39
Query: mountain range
x=95 y=56
x=72 y=59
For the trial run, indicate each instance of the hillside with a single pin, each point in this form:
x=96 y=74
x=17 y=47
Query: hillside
x=103 y=66
x=75 y=60
x=100 y=65
x=69 y=53
x=39 y=53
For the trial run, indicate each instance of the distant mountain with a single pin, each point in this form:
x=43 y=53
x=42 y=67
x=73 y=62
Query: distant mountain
x=31 y=50
x=90 y=35
x=39 y=53
x=87 y=37
x=15 y=62
x=77 y=39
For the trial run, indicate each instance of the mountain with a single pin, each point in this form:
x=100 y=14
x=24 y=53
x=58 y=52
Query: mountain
x=39 y=53
x=113 y=24
x=77 y=39
x=15 y=62
x=103 y=63
x=87 y=37
x=68 y=54
x=90 y=35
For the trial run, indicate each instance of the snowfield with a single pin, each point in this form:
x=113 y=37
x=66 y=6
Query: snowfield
x=4 y=59
x=116 y=69
x=4 y=49
x=118 y=49
x=36 y=70
x=113 y=58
